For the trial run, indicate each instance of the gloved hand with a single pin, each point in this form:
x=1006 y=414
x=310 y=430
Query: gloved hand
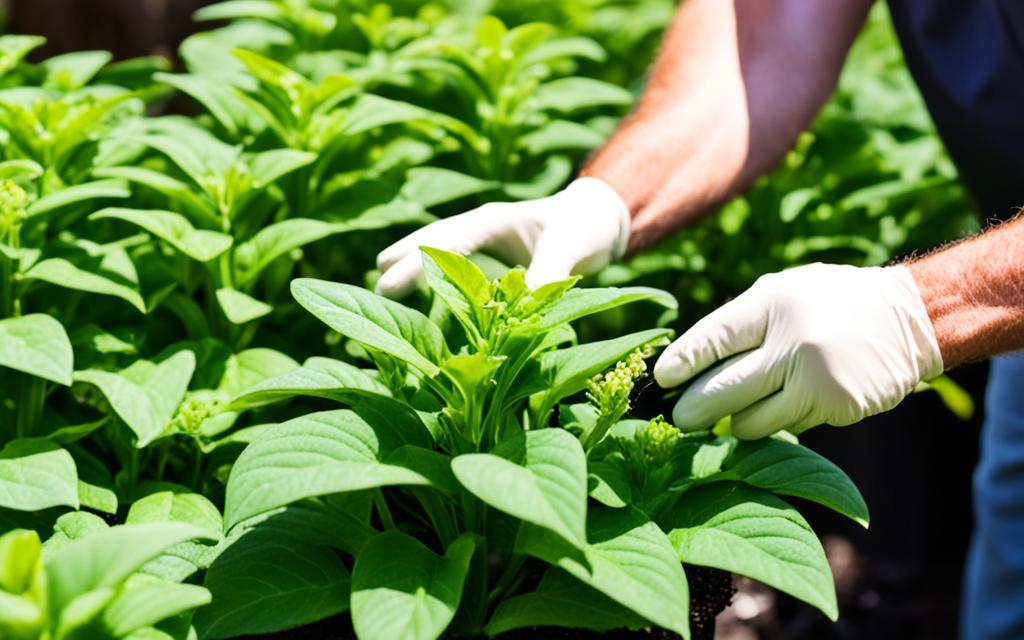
x=812 y=345
x=579 y=230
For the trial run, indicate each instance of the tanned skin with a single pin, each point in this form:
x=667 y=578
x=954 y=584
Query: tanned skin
x=974 y=294
x=735 y=82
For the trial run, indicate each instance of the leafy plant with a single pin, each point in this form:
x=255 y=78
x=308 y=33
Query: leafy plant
x=85 y=582
x=148 y=335
x=475 y=493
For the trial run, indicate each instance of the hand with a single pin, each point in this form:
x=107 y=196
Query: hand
x=817 y=344
x=579 y=230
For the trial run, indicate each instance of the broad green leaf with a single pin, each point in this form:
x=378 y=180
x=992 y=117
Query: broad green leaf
x=165 y=184
x=81 y=611
x=314 y=455
x=109 y=273
x=794 y=470
x=17 y=170
x=239 y=307
x=371 y=111
x=570 y=47
x=183 y=559
x=105 y=559
x=268 y=166
x=268 y=581
x=562 y=601
x=253 y=366
x=566 y=95
x=145 y=601
x=145 y=395
x=381 y=215
x=374 y=321
x=72 y=526
x=559 y=135
x=578 y=303
x=401 y=590
x=92 y=337
x=197 y=152
x=168 y=506
x=431 y=186
x=37 y=345
x=217 y=97
x=538 y=476
x=629 y=559
x=754 y=534
x=463 y=274
x=174 y=229
x=235 y=9
x=20 y=553
x=318 y=377
x=37 y=474
x=95 y=482
x=22 y=586
x=71 y=71
x=272 y=72
x=209 y=53
x=14 y=48
x=609 y=481
x=75 y=194
x=276 y=240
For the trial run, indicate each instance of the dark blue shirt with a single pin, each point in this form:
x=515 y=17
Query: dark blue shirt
x=968 y=59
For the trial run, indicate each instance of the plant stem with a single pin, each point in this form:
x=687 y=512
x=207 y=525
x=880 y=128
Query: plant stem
x=7 y=286
x=31 y=397
x=508 y=579
x=477 y=586
x=197 y=465
x=440 y=517
x=382 y=509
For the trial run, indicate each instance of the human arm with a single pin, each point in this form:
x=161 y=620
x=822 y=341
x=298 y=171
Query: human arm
x=974 y=294
x=834 y=344
x=734 y=84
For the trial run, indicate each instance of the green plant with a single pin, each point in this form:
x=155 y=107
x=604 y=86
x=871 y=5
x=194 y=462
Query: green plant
x=475 y=492
x=147 y=334
x=85 y=582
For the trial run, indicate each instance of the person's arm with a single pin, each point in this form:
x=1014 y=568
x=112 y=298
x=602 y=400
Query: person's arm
x=974 y=294
x=834 y=344
x=735 y=83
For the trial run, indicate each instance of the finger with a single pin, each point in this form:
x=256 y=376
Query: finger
x=736 y=326
x=551 y=262
x=726 y=389
x=402 y=278
x=782 y=410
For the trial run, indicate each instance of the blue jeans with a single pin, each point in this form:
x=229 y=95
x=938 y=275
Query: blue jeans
x=993 y=598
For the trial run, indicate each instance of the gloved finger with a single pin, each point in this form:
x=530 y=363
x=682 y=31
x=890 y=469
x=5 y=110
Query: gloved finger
x=552 y=261
x=726 y=389
x=401 y=278
x=410 y=244
x=782 y=410
x=736 y=326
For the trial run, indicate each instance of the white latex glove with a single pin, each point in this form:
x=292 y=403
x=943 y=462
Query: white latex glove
x=812 y=345
x=577 y=231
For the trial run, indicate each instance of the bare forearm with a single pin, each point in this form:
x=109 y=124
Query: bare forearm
x=735 y=83
x=974 y=294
